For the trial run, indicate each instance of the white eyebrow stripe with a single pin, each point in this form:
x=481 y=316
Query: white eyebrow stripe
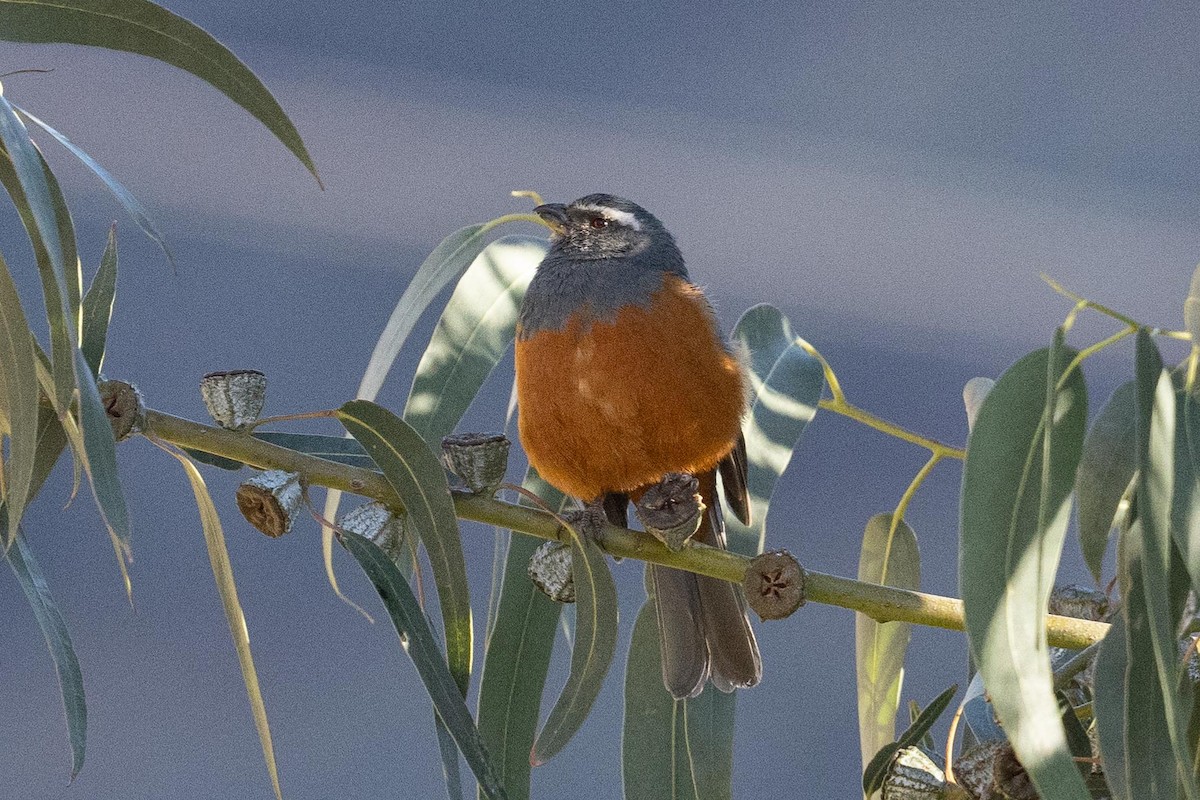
x=616 y=215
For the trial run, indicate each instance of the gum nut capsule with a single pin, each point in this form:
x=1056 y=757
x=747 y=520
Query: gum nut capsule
x=380 y=524
x=234 y=398
x=271 y=500
x=480 y=459
x=912 y=775
x=124 y=406
x=550 y=571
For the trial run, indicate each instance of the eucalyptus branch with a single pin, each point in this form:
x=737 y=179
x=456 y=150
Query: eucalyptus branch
x=881 y=603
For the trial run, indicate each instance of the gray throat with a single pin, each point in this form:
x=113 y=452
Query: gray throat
x=599 y=288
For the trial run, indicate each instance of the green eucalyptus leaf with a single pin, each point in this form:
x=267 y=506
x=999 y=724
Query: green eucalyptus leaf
x=1017 y=481
x=1150 y=766
x=786 y=383
x=876 y=770
x=213 y=460
x=98 y=306
x=19 y=396
x=51 y=439
x=890 y=557
x=448 y=261
x=672 y=748
x=1110 y=693
x=1107 y=466
x=132 y=206
x=474 y=332
x=420 y=482
x=1185 y=500
x=592 y=650
x=422 y=647
x=449 y=752
x=58 y=640
x=147 y=29
x=43 y=210
x=654 y=755
x=331 y=448
x=1152 y=606
x=519 y=648
x=100 y=464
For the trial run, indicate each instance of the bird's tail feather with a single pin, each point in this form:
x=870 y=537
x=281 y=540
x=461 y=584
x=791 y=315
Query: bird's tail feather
x=702 y=621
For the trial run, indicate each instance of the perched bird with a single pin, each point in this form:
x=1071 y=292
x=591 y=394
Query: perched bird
x=623 y=377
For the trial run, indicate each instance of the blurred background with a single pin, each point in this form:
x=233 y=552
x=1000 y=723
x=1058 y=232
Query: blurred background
x=893 y=177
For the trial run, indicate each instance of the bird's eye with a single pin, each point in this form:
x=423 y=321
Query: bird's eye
x=600 y=222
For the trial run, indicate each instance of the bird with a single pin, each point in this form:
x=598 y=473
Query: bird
x=623 y=377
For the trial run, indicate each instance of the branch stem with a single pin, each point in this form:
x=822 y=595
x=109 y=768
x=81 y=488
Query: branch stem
x=881 y=603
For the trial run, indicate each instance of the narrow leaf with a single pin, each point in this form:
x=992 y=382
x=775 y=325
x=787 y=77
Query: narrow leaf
x=98 y=306
x=592 y=652
x=671 y=748
x=448 y=261
x=518 y=655
x=132 y=206
x=1185 y=500
x=410 y=623
x=1017 y=481
x=58 y=640
x=876 y=770
x=100 y=463
x=474 y=332
x=1107 y=466
x=654 y=757
x=332 y=448
x=889 y=557
x=18 y=403
x=1150 y=766
x=786 y=384
x=449 y=753
x=218 y=556
x=39 y=202
x=142 y=27
x=1156 y=417
x=1110 y=693
x=420 y=483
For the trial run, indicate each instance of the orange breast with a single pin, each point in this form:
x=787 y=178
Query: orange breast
x=612 y=406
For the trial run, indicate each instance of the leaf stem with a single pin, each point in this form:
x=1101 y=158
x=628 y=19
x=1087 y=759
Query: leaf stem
x=911 y=491
x=881 y=603
x=838 y=404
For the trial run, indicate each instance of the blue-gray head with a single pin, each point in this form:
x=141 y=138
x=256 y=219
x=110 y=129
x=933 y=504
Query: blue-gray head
x=606 y=253
x=604 y=226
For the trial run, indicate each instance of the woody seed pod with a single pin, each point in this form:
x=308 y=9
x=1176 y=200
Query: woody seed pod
x=480 y=459
x=671 y=509
x=550 y=571
x=380 y=524
x=271 y=500
x=234 y=399
x=124 y=407
x=912 y=775
x=774 y=584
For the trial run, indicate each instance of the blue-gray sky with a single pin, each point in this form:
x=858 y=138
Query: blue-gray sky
x=894 y=177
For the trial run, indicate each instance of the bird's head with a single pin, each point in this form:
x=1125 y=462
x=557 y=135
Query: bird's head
x=602 y=226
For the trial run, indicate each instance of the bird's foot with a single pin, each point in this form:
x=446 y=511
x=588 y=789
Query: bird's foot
x=589 y=521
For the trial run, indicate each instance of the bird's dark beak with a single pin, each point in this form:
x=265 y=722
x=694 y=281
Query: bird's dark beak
x=554 y=214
